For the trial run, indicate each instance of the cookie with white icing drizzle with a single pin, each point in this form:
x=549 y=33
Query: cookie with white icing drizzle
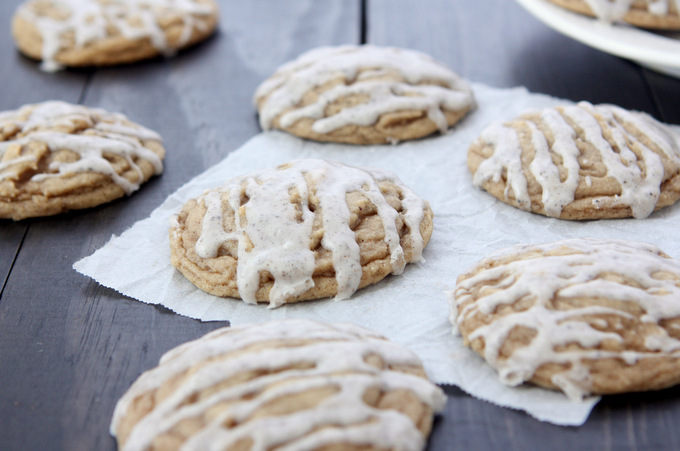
x=654 y=14
x=292 y=384
x=305 y=230
x=580 y=162
x=362 y=95
x=107 y=32
x=56 y=156
x=585 y=316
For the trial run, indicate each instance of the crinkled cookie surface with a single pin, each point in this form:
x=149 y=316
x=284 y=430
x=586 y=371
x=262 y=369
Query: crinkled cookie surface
x=56 y=156
x=363 y=95
x=585 y=316
x=305 y=230
x=108 y=32
x=580 y=161
x=292 y=384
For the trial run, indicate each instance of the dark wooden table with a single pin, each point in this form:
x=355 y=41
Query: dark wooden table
x=70 y=347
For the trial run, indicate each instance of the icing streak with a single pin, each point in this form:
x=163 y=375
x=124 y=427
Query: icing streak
x=90 y=133
x=331 y=355
x=89 y=20
x=427 y=86
x=613 y=10
x=277 y=233
x=569 y=269
x=640 y=189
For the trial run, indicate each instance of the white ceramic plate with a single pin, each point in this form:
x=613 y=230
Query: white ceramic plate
x=660 y=52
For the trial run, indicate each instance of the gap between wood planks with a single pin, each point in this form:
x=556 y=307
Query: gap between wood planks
x=658 y=111
x=14 y=259
x=81 y=98
x=363 y=27
x=363 y=7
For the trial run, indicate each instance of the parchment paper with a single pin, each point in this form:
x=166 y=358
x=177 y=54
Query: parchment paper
x=412 y=308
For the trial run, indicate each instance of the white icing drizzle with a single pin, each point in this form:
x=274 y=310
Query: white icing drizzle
x=88 y=21
x=102 y=133
x=357 y=64
x=337 y=353
x=281 y=240
x=568 y=276
x=639 y=191
x=614 y=10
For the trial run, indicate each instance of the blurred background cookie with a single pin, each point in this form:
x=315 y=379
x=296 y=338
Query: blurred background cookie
x=656 y=14
x=107 y=32
x=584 y=316
x=304 y=230
x=55 y=157
x=293 y=384
x=580 y=162
x=362 y=95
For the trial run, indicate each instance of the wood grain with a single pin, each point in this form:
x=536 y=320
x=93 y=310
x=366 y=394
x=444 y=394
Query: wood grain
x=75 y=346
x=22 y=84
x=498 y=43
x=70 y=347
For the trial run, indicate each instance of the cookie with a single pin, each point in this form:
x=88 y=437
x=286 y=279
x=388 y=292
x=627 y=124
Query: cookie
x=108 y=32
x=293 y=384
x=362 y=95
x=654 y=14
x=55 y=157
x=580 y=162
x=305 y=230
x=585 y=316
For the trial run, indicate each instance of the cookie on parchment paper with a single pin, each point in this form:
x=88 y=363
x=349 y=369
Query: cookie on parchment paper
x=363 y=95
x=305 y=230
x=580 y=162
x=585 y=316
x=56 y=157
x=654 y=14
x=108 y=32
x=293 y=384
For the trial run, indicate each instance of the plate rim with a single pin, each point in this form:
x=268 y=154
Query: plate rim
x=603 y=36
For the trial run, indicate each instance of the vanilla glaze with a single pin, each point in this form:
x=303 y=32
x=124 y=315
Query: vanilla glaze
x=333 y=355
x=91 y=133
x=276 y=233
x=88 y=20
x=613 y=10
x=427 y=86
x=640 y=188
x=540 y=274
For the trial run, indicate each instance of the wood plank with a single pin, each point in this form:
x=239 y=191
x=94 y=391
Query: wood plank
x=666 y=92
x=498 y=43
x=11 y=235
x=78 y=346
x=22 y=84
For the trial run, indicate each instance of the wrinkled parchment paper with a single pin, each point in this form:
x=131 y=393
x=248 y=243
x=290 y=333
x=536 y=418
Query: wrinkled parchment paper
x=412 y=308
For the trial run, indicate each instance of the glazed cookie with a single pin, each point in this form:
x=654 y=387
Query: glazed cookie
x=293 y=384
x=55 y=157
x=305 y=230
x=580 y=162
x=107 y=32
x=656 y=14
x=582 y=315
x=362 y=95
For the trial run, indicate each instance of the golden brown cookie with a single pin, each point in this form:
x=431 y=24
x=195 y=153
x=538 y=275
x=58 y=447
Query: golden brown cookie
x=296 y=384
x=581 y=315
x=107 y=32
x=655 y=14
x=55 y=157
x=304 y=230
x=580 y=162
x=362 y=95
